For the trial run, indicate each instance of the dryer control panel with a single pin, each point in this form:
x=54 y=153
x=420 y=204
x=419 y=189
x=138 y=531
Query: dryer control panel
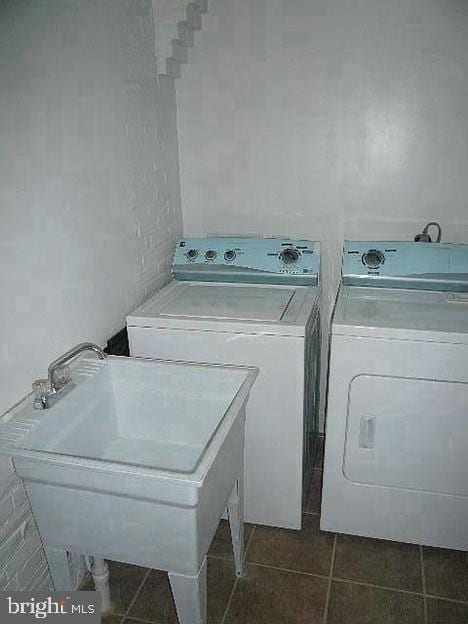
x=248 y=260
x=405 y=264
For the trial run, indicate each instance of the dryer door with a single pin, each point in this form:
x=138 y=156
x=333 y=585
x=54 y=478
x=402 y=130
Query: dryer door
x=407 y=433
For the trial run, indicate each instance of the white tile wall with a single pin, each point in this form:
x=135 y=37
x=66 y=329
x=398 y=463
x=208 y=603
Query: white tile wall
x=89 y=202
x=326 y=119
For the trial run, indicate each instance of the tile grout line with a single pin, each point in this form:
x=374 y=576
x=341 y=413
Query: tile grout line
x=228 y=604
x=135 y=619
x=374 y=586
x=454 y=600
x=220 y=557
x=327 y=598
x=231 y=595
x=350 y=581
x=423 y=580
x=133 y=600
x=289 y=570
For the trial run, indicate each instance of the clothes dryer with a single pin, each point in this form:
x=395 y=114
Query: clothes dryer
x=396 y=462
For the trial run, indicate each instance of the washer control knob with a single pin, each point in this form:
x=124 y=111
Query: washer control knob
x=230 y=255
x=210 y=254
x=289 y=255
x=373 y=258
x=192 y=254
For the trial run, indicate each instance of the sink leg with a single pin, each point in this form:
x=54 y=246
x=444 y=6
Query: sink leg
x=190 y=596
x=59 y=568
x=236 y=523
x=100 y=573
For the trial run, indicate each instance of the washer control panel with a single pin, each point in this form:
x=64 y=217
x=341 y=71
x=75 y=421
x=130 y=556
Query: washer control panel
x=257 y=260
x=404 y=264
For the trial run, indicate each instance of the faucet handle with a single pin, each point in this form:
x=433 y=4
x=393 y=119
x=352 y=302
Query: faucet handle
x=41 y=389
x=41 y=386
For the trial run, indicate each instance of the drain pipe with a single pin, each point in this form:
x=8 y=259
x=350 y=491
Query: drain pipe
x=100 y=573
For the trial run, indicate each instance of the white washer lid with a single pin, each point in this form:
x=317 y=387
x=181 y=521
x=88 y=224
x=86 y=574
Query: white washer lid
x=401 y=313
x=228 y=302
x=245 y=308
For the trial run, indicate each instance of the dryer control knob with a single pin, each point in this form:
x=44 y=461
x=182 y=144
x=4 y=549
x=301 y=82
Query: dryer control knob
x=289 y=255
x=230 y=255
x=373 y=258
x=210 y=254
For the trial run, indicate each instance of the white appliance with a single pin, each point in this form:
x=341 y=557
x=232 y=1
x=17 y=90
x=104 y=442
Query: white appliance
x=251 y=302
x=396 y=453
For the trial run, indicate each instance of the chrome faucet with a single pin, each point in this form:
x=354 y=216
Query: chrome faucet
x=46 y=389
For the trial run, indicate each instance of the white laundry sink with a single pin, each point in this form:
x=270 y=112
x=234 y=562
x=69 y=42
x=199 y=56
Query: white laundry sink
x=136 y=462
x=134 y=412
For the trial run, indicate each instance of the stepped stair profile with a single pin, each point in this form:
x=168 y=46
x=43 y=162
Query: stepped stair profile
x=176 y=21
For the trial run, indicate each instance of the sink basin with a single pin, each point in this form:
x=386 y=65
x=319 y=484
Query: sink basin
x=136 y=462
x=135 y=412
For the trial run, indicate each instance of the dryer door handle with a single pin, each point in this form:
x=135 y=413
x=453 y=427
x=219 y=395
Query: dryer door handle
x=367 y=432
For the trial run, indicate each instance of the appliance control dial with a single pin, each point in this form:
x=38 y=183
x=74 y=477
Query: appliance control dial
x=192 y=254
x=210 y=254
x=230 y=255
x=373 y=258
x=289 y=255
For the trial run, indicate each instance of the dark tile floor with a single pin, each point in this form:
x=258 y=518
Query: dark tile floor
x=308 y=577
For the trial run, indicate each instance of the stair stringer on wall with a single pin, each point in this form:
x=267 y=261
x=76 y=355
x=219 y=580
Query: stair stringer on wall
x=176 y=21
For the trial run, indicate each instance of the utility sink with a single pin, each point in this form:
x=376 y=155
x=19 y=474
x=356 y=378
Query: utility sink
x=136 y=462
x=134 y=412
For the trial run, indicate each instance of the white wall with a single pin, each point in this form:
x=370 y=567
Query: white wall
x=327 y=119
x=89 y=195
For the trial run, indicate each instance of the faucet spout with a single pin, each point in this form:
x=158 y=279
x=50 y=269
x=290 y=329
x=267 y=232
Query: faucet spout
x=46 y=390
x=66 y=357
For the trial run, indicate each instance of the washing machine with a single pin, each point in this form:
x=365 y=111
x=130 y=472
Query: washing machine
x=250 y=302
x=396 y=460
